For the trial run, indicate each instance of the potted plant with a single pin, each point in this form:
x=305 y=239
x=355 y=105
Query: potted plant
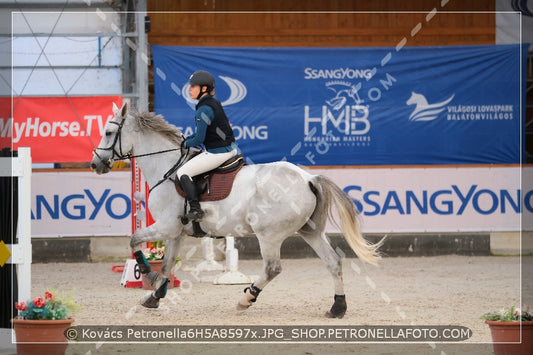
x=154 y=253
x=511 y=330
x=43 y=320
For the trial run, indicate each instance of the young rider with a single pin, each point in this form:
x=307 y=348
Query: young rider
x=213 y=130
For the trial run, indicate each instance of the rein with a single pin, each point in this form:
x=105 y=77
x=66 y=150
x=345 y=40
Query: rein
x=129 y=156
x=172 y=170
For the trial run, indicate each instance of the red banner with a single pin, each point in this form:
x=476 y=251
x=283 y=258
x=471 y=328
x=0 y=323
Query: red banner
x=5 y=111
x=58 y=129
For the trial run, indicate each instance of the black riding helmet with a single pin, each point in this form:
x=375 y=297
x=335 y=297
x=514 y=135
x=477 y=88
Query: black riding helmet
x=203 y=78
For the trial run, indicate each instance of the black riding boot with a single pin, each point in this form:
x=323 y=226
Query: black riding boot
x=195 y=212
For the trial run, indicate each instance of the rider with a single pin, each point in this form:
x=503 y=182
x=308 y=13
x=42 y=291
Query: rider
x=213 y=130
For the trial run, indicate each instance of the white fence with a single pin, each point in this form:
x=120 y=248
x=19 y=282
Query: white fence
x=21 y=253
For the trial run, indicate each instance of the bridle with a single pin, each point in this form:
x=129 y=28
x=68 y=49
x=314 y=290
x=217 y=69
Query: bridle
x=119 y=155
x=116 y=155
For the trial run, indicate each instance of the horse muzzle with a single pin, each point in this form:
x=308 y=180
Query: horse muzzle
x=101 y=165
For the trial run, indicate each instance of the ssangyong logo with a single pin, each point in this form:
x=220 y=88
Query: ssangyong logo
x=237 y=92
x=338 y=73
x=425 y=111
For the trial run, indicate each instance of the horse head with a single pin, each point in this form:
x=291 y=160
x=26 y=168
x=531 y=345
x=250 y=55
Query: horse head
x=417 y=99
x=113 y=145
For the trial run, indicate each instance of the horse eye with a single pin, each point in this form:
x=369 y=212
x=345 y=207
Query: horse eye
x=108 y=133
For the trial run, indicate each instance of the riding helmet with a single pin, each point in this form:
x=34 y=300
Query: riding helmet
x=203 y=78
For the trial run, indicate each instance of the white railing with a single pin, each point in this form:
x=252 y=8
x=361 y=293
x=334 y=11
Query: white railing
x=21 y=252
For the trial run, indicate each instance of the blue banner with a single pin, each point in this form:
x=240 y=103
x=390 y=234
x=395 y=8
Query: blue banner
x=357 y=106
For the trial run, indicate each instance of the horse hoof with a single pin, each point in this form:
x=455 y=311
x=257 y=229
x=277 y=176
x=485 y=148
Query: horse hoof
x=242 y=307
x=339 y=307
x=151 y=277
x=331 y=315
x=149 y=301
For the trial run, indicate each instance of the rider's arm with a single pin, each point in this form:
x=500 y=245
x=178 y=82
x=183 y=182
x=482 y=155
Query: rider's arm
x=204 y=117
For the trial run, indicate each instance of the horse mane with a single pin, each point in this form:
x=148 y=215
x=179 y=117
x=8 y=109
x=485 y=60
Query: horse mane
x=149 y=121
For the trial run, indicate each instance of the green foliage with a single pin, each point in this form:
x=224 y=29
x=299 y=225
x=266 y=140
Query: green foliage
x=512 y=314
x=50 y=307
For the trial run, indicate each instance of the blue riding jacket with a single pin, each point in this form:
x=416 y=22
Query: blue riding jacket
x=210 y=120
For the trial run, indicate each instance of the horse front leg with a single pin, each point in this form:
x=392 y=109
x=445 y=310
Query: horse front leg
x=160 y=282
x=141 y=236
x=155 y=233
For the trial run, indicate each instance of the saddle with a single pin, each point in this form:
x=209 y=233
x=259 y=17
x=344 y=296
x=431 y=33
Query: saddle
x=216 y=184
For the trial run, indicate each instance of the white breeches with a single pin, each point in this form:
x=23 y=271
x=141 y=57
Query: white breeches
x=204 y=162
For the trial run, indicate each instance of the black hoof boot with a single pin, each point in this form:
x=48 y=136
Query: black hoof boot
x=149 y=301
x=339 y=307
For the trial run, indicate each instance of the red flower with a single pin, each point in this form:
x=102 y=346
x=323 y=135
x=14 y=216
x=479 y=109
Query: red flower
x=39 y=302
x=47 y=296
x=21 y=307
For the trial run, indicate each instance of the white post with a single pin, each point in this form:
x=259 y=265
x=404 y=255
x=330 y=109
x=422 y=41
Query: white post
x=208 y=253
x=24 y=226
x=141 y=58
x=21 y=252
x=232 y=276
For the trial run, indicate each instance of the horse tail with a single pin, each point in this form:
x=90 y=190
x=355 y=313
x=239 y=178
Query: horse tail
x=328 y=194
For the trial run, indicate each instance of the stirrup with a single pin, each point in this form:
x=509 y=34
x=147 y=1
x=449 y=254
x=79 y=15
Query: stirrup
x=195 y=215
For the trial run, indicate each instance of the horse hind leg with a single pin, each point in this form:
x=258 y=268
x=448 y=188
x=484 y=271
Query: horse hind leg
x=317 y=240
x=270 y=251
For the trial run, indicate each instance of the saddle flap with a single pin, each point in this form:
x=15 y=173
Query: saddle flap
x=216 y=185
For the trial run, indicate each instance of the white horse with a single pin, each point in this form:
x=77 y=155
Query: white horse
x=272 y=201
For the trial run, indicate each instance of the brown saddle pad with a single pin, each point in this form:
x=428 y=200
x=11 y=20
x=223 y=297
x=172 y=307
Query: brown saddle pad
x=214 y=186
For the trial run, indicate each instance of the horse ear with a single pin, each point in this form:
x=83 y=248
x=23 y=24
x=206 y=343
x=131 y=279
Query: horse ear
x=115 y=109
x=124 y=110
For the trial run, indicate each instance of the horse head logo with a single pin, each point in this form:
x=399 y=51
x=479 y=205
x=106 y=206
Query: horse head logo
x=423 y=110
x=343 y=91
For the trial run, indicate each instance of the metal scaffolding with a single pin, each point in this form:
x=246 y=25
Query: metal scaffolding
x=130 y=31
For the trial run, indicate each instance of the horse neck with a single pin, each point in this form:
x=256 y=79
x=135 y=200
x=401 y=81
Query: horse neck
x=154 y=166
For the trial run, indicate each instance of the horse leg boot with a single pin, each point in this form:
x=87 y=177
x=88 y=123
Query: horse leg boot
x=250 y=295
x=156 y=281
x=160 y=290
x=144 y=267
x=195 y=212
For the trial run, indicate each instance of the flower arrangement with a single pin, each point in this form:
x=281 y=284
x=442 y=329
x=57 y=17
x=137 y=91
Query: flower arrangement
x=512 y=314
x=47 y=308
x=154 y=251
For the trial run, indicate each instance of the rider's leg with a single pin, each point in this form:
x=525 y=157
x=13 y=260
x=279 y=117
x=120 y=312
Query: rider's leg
x=199 y=164
x=195 y=212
